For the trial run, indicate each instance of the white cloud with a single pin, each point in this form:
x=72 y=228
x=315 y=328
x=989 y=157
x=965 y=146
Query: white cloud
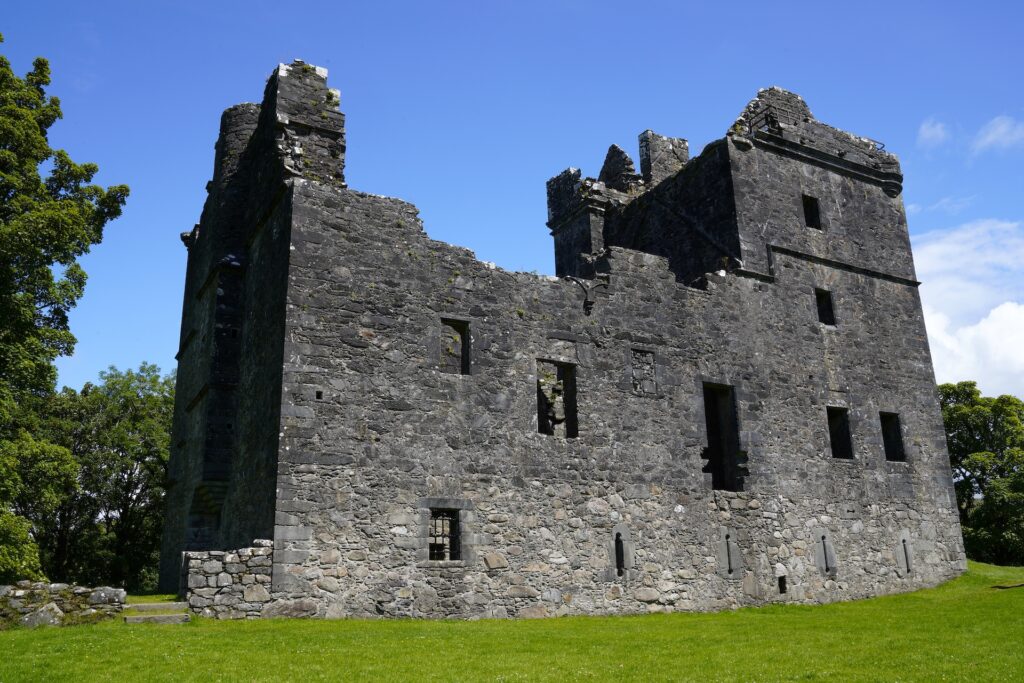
x=952 y=204
x=1002 y=132
x=949 y=205
x=932 y=133
x=973 y=295
x=989 y=352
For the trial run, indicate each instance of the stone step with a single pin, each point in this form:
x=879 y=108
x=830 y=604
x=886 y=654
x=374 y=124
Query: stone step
x=158 y=619
x=156 y=607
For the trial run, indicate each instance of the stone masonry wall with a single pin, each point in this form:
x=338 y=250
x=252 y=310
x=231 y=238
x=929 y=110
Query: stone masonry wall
x=702 y=278
x=229 y=584
x=34 y=604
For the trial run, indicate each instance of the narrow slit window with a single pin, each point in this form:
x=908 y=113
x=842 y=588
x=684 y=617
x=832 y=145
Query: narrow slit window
x=455 y=347
x=620 y=555
x=826 y=311
x=812 y=212
x=839 y=433
x=556 y=399
x=892 y=437
x=443 y=535
x=726 y=463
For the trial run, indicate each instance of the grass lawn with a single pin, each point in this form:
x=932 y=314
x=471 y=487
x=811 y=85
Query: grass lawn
x=144 y=598
x=966 y=630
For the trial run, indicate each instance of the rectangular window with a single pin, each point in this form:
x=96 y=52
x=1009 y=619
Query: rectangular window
x=892 y=437
x=725 y=460
x=826 y=312
x=556 y=399
x=443 y=535
x=812 y=212
x=839 y=433
x=455 y=347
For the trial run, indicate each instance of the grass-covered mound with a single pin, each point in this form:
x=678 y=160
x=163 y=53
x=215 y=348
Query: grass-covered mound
x=971 y=629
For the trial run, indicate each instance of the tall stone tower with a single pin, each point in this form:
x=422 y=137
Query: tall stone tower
x=724 y=397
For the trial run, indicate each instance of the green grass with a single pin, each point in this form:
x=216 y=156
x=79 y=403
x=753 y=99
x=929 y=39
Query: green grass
x=965 y=630
x=140 y=598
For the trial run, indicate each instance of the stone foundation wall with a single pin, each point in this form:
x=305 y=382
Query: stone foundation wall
x=232 y=584
x=57 y=604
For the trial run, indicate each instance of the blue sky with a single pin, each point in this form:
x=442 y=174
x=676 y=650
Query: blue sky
x=466 y=108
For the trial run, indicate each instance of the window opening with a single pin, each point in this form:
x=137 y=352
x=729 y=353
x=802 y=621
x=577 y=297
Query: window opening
x=839 y=433
x=782 y=585
x=812 y=212
x=319 y=395
x=443 y=535
x=556 y=399
x=892 y=437
x=728 y=553
x=826 y=311
x=906 y=556
x=824 y=548
x=620 y=555
x=455 y=347
x=726 y=463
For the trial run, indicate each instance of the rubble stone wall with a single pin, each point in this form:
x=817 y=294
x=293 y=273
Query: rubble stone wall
x=230 y=584
x=32 y=604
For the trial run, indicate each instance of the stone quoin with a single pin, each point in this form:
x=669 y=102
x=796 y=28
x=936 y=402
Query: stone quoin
x=723 y=397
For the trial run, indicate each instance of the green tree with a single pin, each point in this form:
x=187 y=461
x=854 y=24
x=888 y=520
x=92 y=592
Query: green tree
x=50 y=215
x=35 y=477
x=986 y=449
x=108 y=531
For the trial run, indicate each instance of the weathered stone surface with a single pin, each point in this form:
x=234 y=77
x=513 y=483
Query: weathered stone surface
x=47 y=615
x=157 y=619
x=601 y=431
x=290 y=608
x=256 y=593
x=106 y=596
x=495 y=561
x=523 y=592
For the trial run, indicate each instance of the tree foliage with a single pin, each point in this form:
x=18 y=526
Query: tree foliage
x=107 y=530
x=46 y=223
x=50 y=215
x=986 y=449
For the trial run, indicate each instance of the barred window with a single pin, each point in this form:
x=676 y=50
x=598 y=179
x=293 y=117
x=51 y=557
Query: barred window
x=443 y=535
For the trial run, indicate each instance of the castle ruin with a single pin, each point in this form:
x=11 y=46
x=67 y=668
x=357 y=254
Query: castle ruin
x=724 y=397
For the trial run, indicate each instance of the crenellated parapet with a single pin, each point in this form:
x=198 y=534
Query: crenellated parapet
x=577 y=205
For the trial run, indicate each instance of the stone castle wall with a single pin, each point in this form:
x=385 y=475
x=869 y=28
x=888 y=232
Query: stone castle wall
x=416 y=381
